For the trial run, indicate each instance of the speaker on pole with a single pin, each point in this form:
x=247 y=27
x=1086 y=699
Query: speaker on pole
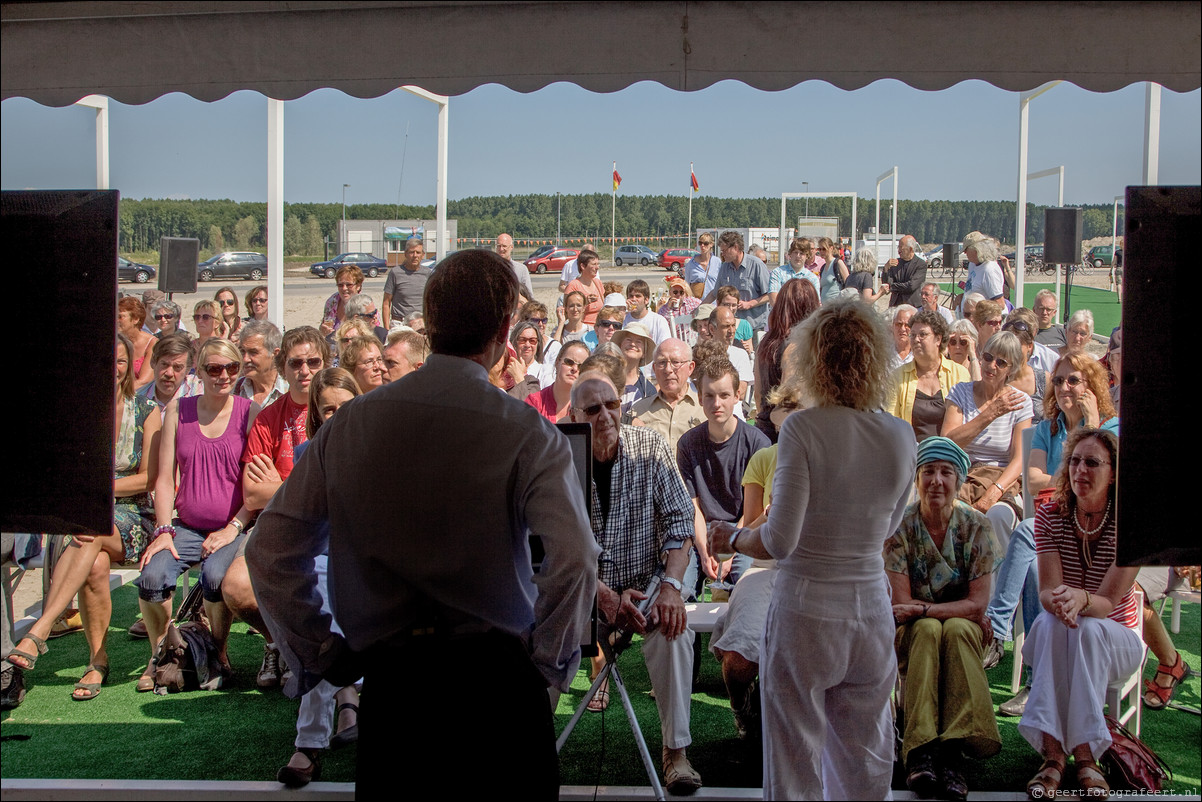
x=178 y=257
x=1062 y=235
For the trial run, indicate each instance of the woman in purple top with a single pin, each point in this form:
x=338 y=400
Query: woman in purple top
x=203 y=439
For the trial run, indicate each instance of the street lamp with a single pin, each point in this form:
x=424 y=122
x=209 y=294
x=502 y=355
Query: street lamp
x=344 y=188
x=806 y=188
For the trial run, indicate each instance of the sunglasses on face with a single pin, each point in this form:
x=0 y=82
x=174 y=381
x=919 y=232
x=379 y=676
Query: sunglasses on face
x=958 y=342
x=229 y=369
x=366 y=315
x=314 y=363
x=593 y=409
x=228 y=303
x=538 y=321
x=1071 y=381
x=1001 y=363
x=164 y=317
x=204 y=317
x=1089 y=462
x=1016 y=325
x=605 y=324
x=258 y=300
x=571 y=363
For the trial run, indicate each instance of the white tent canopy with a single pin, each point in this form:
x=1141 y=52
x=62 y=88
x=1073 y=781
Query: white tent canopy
x=134 y=52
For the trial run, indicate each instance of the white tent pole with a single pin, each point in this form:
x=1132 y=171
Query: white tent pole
x=101 y=104
x=1152 y=134
x=275 y=212
x=1020 y=211
x=441 y=235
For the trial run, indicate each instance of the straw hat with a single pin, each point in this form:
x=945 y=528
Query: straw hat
x=640 y=331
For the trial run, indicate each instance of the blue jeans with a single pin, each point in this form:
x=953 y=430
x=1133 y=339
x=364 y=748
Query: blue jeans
x=161 y=574
x=1017 y=578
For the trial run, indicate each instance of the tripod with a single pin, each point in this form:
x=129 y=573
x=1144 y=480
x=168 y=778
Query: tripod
x=613 y=643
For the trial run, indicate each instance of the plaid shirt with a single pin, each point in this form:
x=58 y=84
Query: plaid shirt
x=649 y=510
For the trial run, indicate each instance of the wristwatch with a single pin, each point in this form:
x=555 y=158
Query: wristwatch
x=676 y=583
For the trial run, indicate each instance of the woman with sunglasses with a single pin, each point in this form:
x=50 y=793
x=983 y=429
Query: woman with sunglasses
x=528 y=344
x=962 y=347
x=609 y=321
x=84 y=565
x=350 y=282
x=1030 y=380
x=256 y=303
x=1077 y=398
x=1085 y=634
x=227 y=300
x=681 y=304
x=986 y=418
x=203 y=440
x=206 y=318
x=554 y=401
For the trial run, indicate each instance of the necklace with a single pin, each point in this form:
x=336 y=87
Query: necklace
x=1087 y=553
x=1096 y=529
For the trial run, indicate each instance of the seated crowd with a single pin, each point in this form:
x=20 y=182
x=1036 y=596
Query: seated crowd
x=686 y=400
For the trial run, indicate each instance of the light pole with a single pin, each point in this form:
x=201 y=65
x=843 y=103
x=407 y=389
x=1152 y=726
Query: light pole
x=805 y=185
x=558 y=217
x=342 y=233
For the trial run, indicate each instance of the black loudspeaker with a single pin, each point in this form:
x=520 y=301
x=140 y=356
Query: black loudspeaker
x=1062 y=235
x=178 y=257
x=951 y=255
x=60 y=412
x=1158 y=403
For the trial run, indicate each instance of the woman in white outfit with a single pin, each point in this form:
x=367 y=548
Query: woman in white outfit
x=827 y=726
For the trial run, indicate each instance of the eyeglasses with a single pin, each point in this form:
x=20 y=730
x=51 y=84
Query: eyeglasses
x=205 y=317
x=165 y=316
x=228 y=303
x=1071 y=381
x=229 y=369
x=374 y=362
x=538 y=321
x=995 y=322
x=347 y=285
x=665 y=364
x=1001 y=363
x=1089 y=462
x=593 y=409
x=527 y=341
x=314 y=363
x=605 y=324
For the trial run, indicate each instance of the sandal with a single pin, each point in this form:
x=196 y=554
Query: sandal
x=1157 y=696
x=1093 y=783
x=1047 y=781
x=31 y=660
x=351 y=733
x=92 y=688
x=146 y=681
x=599 y=702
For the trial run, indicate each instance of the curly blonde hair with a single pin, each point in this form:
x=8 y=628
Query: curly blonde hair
x=841 y=358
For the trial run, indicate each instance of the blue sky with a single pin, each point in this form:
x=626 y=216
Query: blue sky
x=959 y=144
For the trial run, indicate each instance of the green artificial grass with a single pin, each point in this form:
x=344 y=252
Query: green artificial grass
x=1105 y=306
x=241 y=733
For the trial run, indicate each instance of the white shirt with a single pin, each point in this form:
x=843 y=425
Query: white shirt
x=493 y=471
x=656 y=325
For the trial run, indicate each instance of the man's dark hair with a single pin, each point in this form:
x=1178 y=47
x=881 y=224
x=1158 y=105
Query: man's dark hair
x=730 y=239
x=468 y=301
x=299 y=336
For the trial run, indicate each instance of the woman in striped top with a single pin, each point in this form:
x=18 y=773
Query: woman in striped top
x=1084 y=638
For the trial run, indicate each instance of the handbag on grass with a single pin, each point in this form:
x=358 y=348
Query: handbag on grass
x=1130 y=764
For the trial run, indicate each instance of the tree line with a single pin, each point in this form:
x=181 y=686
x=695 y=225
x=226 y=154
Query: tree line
x=231 y=225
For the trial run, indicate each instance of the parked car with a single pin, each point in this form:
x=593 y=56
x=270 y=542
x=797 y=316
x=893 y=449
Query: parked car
x=1099 y=255
x=371 y=266
x=1032 y=258
x=634 y=254
x=233 y=264
x=552 y=260
x=542 y=250
x=674 y=258
x=934 y=258
x=133 y=271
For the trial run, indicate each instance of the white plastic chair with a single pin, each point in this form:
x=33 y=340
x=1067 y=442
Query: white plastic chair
x=1131 y=687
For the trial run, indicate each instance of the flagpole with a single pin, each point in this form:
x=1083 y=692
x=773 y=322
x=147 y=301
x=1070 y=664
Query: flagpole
x=613 y=215
x=688 y=242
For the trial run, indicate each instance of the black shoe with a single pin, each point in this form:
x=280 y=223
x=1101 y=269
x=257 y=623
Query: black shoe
x=294 y=777
x=923 y=777
x=12 y=688
x=954 y=786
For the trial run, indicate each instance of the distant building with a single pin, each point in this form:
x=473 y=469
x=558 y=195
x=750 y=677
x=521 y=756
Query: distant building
x=386 y=238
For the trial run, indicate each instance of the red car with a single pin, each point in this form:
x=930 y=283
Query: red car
x=553 y=260
x=674 y=258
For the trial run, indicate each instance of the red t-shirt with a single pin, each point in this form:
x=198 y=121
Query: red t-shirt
x=278 y=430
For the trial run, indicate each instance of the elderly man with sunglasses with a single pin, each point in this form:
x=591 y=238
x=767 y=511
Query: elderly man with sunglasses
x=642 y=517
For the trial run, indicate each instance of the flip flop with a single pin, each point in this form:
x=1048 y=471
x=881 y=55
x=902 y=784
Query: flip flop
x=31 y=660
x=93 y=688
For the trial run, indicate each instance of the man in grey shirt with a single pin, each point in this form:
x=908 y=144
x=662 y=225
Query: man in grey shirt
x=505 y=251
x=749 y=274
x=432 y=575
x=405 y=284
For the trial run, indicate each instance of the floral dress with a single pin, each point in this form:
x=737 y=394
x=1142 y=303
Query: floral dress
x=132 y=515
